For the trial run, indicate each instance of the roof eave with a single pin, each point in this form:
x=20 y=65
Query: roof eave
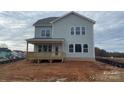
x=90 y=20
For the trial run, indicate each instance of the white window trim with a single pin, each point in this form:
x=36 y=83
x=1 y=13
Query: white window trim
x=42 y=50
x=71 y=30
x=85 y=48
x=76 y=30
x=75 y=47
x=80 y=31
x=82 y=48
x=71 y=48
x=85 y=30
x=45 y=33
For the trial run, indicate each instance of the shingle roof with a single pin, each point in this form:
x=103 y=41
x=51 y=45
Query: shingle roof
x=48 y=21
x=45 y=21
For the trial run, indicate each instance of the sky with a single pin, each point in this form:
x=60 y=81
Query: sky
x=16 y=26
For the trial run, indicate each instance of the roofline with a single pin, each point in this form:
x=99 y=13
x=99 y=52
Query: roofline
x=72 y=12
x=47 y=40
x=43 y=18
x=42 y=39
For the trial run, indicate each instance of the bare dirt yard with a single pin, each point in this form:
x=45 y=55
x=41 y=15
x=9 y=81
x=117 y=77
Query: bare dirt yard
x=58 y=72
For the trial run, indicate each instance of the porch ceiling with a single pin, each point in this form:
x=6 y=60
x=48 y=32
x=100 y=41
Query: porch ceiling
x=45 y=40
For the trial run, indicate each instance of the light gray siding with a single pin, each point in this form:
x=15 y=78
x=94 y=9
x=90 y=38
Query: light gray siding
x=39 y=29
x=62 y=29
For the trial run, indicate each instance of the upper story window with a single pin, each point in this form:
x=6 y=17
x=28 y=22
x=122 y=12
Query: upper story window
x=45 y=33
x=78 y=48
x=72 y=31
x=83 y=30
x=71 y=48
x=85 y=48
x=77 y=30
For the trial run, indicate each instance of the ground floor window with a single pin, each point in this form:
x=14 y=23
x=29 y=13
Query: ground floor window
x=71 y=48
x=44 y=48
x=56 y=50
x=85 y=48
x=39 y=48
x=50 y=48
x=78 y=48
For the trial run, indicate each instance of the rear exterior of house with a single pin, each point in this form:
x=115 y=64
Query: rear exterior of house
x=69 y=37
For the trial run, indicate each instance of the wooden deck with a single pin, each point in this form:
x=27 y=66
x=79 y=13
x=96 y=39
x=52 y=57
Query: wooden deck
x=50 y=56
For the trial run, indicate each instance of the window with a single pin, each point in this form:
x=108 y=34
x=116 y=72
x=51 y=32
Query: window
x=78 y=48
x=43 y=33
x=39 y=48
x=85 y=48
x=77 y=30
x=72 y=31
x=47 y=33
x=56 y=50
x=50 y=48
x=83 y=30
x=45 y=48
x=71 y=48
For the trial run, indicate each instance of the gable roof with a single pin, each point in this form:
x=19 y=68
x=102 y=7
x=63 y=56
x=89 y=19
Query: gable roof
x=48 y=21
x=84 y=17
x=45 y=21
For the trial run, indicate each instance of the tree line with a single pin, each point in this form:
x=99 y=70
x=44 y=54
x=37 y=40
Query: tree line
x=103 y=53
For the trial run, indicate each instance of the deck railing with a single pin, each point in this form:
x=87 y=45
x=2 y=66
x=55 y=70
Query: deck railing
x=45 y=55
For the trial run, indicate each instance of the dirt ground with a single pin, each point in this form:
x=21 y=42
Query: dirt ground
x=59 y=72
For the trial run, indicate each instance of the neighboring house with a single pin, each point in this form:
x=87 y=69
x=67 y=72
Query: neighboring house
x=69 y=37
x=5 y=53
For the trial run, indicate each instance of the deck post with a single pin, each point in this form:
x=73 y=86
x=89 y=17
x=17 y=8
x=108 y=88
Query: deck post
x=50 y=61
x=27 y=51
x=62 y=60
x=38 y=61
x=63 y=55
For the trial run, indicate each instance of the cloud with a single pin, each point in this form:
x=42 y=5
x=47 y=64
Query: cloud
x=16 y=26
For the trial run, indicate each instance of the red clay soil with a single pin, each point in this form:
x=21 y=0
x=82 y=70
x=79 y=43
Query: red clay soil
x=67 y=71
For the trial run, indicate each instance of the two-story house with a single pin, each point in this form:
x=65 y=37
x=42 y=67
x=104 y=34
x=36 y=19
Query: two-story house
x=69 y=37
